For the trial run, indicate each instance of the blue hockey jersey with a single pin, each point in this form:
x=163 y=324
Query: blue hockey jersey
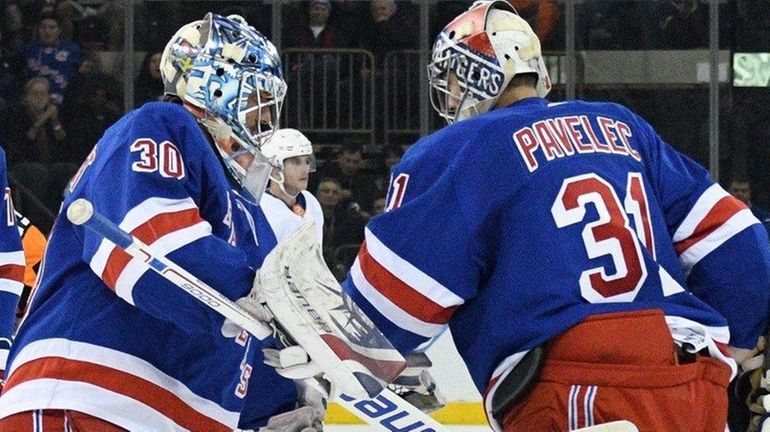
x=105 y=335
x=11 y=268
x=515 y=225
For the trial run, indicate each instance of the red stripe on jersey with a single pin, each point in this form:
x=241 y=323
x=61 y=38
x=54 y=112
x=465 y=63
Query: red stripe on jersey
x=386 y=370
x=13 y=272
x=141 y=390
x=723 y=210
x=401 y=294
x=158 y=226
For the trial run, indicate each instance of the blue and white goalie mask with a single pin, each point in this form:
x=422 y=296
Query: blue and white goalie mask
x=229 y=76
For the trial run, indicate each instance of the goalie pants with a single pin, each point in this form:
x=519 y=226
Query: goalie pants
x=53 y=420
x=623 y=366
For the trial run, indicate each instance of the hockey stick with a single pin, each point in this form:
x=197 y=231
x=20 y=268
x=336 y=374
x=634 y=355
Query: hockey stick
x=81 y=212
x=387 y=411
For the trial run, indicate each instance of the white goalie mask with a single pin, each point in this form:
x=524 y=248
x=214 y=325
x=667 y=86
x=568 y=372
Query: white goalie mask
x=284 y=144
x=477 y=55
x=229 y=76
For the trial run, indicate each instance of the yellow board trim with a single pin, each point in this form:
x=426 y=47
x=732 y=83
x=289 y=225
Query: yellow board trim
x=455 y=413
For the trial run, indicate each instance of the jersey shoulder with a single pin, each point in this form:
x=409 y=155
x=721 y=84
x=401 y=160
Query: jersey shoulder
x=578 y=106
x=167 y=116
x=434 y=152
x=271 y=206
x=312 y=206
x=155 y=124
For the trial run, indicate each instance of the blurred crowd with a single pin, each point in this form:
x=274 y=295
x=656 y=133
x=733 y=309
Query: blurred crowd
x=61 y=81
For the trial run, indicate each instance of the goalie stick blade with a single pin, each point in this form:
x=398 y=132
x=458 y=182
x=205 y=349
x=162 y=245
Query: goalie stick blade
x=309 y=304
x=389 y=412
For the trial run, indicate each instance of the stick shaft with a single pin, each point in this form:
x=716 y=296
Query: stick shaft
x=81 y=212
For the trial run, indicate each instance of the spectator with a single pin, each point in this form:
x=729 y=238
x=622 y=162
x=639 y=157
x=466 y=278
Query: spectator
x=91 y=114
x=316 y=31
x=391 y=155
x=35 y=145
x=389 y=28
x=741 y=189
x=349 y=222
x=378 y=206
x=149 y=85
x=13 y=25
x=314 y=78
x=109 y=16
x=52 y=58
x=157 y=20
x=35 y=132
x=357 y=187
x=328 y=193
x=343 y=226
x=444 y=12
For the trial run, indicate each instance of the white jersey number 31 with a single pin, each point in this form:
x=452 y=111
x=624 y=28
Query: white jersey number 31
x=611 y=234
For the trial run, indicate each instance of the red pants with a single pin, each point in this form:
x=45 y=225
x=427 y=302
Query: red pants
x=623 y=366
x=55 y=421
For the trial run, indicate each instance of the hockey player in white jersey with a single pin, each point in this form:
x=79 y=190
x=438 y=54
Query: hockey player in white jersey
x=287 y=202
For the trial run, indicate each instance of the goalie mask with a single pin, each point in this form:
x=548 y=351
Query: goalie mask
x=477 y=55
x=229 y=76
x=286 y=144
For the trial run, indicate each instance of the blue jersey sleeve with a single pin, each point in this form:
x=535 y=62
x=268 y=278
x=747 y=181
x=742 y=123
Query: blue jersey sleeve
x=721 y=247
x=422 y=258
x=11 y=268
x=155 y=175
